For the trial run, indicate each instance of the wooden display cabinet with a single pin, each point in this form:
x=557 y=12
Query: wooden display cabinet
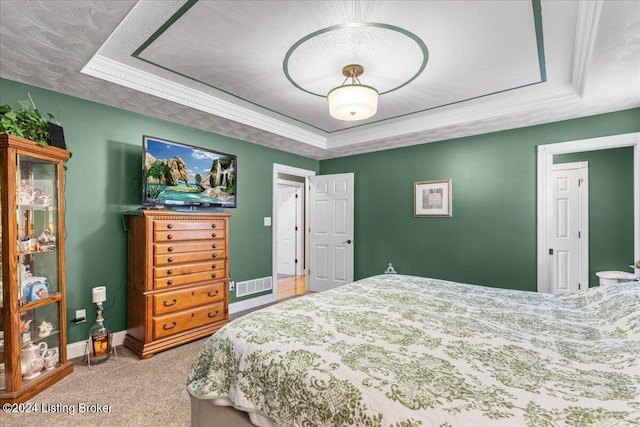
x=32 y=304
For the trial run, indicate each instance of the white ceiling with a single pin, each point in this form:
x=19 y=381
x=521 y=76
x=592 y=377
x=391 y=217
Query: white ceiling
x=260 y=70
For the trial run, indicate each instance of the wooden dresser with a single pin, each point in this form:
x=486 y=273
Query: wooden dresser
x=178 y=280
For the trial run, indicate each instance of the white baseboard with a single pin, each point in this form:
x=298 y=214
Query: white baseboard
x=251 y=303
x=77 y=349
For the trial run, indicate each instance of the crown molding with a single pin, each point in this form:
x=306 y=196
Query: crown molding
x=456 y=115
x=142 y=81
x=586 y=31
x=572 y=93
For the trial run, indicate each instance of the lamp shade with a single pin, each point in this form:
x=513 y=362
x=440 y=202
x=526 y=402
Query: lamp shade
x=99 y=294
x=353 y=102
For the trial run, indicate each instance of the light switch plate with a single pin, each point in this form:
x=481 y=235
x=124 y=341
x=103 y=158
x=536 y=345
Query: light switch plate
x=267 y=221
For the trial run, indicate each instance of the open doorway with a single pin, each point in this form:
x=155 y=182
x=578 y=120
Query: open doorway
x=290 y=220
x=546 y=156
x=289 y=236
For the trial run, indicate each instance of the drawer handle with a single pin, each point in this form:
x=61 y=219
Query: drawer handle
x=214 y=246
x=169 y=271
x=213 y=315
x=167 y=327
x=214 y=255
x=213 y=234
x=213 y=226
x=170 y=236
x=167 y=304
x=213 y=294
x=169 y=226
x=213 y=266
x=170 y=259
x=170 y=249
x=214 y=275
x=169 y=282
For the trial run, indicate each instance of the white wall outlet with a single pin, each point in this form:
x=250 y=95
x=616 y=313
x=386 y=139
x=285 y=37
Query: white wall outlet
x=81 y=314
x=232 y=285
x=267 y=221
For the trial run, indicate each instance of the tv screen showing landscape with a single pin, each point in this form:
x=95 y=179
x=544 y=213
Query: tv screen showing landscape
x=176 y=174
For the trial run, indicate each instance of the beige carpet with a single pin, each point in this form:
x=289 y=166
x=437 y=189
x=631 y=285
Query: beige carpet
x=139 y=393
x=142 y=393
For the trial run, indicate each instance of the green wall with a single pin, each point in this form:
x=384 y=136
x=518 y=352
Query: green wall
x=491 y=238
x=103 y=180
x=610 y=208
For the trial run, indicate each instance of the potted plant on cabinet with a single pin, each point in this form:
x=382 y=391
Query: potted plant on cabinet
x=29 y=123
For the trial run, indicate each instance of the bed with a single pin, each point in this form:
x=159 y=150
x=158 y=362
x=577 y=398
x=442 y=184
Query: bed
x=404 y=351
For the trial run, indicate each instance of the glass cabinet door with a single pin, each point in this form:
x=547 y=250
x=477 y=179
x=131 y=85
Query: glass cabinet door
x=37 y=217
x=38 y=267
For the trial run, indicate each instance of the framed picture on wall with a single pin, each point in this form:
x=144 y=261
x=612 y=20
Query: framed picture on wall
x=432 y=198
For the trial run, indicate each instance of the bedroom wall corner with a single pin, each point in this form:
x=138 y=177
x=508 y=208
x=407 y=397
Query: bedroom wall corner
x=491 y=238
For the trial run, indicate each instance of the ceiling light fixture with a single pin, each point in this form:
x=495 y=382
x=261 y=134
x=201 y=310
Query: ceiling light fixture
x=353 y=101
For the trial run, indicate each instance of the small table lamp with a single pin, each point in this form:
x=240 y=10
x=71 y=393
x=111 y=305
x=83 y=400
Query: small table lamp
x=99 y=335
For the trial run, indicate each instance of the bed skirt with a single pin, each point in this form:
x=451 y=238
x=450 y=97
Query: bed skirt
x=206 y=413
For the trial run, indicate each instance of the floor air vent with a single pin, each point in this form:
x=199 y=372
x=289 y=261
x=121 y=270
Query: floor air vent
x=249 y=287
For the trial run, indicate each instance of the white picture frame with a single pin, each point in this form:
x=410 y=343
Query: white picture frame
x=432 y=198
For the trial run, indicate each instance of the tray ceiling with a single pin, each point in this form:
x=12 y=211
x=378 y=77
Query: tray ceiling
x=260 y=70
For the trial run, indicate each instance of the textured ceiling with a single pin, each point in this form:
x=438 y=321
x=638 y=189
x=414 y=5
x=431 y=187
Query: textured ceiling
x=259 y=71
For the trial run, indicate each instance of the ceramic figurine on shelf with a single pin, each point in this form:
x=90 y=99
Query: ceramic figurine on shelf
x=45 y=329
x=35 y=288
x=32 y=359
x=44 y=200
x=46 y=237
x=24 y=325
x=26 y=193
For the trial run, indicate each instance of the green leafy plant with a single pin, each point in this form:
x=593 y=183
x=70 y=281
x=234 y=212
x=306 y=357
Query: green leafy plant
x=26 y=123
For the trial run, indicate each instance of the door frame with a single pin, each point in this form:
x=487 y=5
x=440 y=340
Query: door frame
x=299 y=233
x=303 y=173
x=545 y=163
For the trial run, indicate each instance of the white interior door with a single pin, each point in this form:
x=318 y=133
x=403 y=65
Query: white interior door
x=330 y=231
x=287 y=218
x=568 y=238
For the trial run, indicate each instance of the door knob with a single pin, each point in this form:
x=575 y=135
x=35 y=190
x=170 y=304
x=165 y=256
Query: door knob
x=349 y=242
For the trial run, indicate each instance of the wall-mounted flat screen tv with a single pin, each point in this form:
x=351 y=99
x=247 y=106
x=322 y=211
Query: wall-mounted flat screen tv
x=176 y=174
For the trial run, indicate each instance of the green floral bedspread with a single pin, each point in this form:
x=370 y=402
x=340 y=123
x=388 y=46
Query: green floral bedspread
x=405 y=351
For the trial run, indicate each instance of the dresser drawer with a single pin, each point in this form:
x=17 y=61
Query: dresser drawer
x=169 y=225
x=172 y=301
x=189 y=279
x=180 y=269
x=170 y=324
x=180 y=258
x=177 y=236
x=171 y=248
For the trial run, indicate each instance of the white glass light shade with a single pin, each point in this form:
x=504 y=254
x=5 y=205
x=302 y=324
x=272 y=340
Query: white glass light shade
x=99 y=294
x=353 y=102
